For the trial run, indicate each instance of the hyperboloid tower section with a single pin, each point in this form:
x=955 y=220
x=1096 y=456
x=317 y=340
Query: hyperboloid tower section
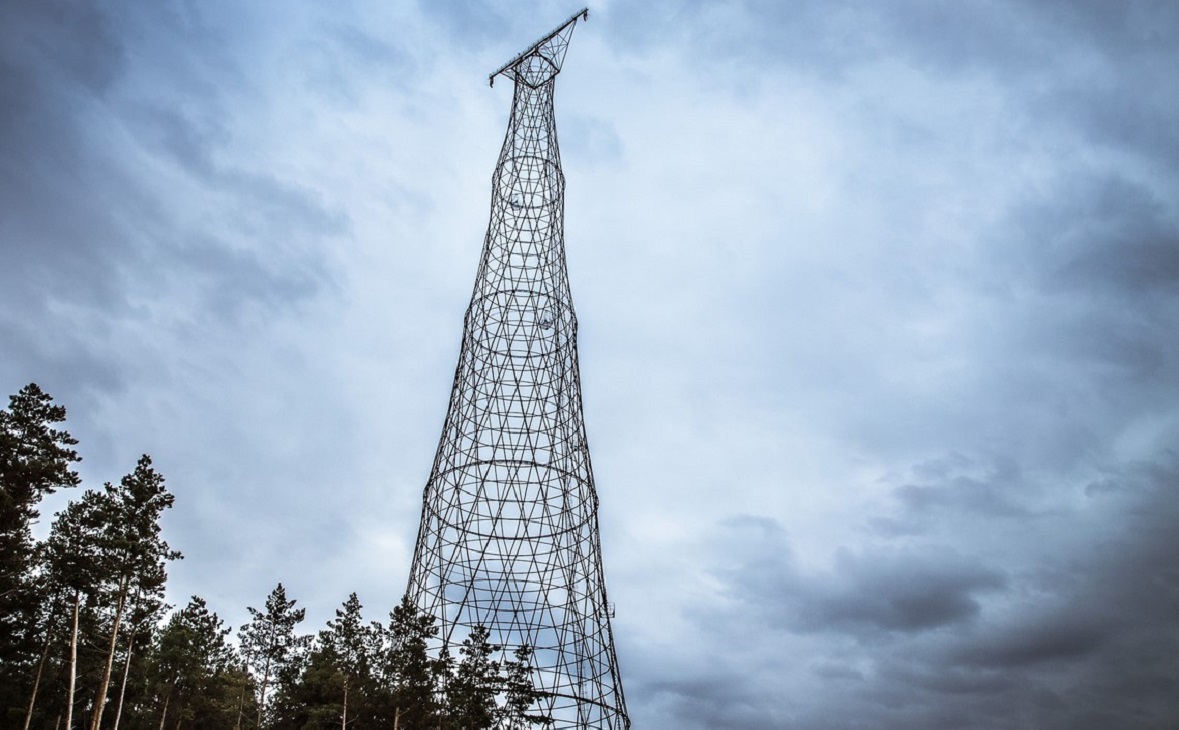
x=509 y=533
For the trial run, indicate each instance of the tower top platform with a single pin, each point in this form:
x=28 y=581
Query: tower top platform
x=550 y=50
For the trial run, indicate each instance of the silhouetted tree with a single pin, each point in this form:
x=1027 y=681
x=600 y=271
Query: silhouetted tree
x=132 y=555
x=90 y=599
x=411 y=677
x=270 y=644
x=520 y=694
x=353 y=646
x=191 y=663
x=471 y=692
x=35 y=460
x=310 y=698
x=72 y=570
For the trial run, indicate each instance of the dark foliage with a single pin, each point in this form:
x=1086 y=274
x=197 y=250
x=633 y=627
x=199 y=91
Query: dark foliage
x=86 y=639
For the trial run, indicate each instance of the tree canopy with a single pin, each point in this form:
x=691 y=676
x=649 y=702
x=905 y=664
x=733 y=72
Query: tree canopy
x=88 y=640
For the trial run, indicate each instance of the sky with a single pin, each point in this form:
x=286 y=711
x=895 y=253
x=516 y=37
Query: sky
x=877 y=308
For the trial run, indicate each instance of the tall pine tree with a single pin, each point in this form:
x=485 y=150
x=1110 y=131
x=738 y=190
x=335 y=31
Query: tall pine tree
x=132 y=556
x=352 y=643
x=406 y=667
x=35 y=460
x=270 y=644
x=192 y=669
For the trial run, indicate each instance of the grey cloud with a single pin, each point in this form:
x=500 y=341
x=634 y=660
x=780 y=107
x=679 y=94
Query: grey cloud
x=829 y=40
x=63 y=43
x=902 y=592
x=1116 y=633
x=1061 y=65
x=1102 y=258
x=56 y=63
x=339 y=55
x=955 y=483
x=486 y=24
x=1112 y=237
x=715 y=702
x=1094 y=615
x=229 y=280
x=254 y=201
x=1003 y=635
x=368 y=48
x=187 y=140
x=864 y=594
x=1058 y=637
x=1015 y=37
x=85 y=226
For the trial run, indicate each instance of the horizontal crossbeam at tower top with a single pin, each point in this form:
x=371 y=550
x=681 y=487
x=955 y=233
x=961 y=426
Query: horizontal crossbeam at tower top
x=582 y=14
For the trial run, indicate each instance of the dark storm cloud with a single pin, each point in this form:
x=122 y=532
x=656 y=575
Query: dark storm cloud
x=712 y=701
x=863 y=594
x=1109 y=238
x=1062 y=636
x=56 y=67
x=901 y=592
x=87 y=159
x=957 y=484
x=942 y=640
x=1095 y=266
x=1107 y=618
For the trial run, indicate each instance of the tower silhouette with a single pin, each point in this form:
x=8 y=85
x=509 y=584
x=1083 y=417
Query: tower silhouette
x=509 y=533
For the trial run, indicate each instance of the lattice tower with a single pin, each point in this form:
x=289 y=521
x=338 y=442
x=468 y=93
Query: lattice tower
x=509 y=533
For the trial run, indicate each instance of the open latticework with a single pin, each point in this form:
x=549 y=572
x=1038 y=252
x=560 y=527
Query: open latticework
x=509 y=533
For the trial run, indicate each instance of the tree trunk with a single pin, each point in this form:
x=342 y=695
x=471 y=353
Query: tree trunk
x=241 y=699
x=344 y=714
x=262 y=691
x=123 y=685
x=164 y=713
x=37 y=677
x=241 y=703
x=396 y=716
x=127 y=665
x=104 y=686
x=73 y=663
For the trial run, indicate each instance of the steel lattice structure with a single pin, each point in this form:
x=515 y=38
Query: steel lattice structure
x=509 y=533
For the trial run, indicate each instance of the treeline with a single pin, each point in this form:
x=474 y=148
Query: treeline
x=88 y=641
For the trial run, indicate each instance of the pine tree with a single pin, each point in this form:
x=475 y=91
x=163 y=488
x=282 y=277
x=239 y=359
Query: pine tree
x=352 y=645
x=405 y=666
x=35 y=460
x=309 y=698
x=520 y=694
x=142 y=621
x=132 y=556
x=334 y=687
x=191 y=662
x=270 y=644
x=72 y=571
x=471 y=692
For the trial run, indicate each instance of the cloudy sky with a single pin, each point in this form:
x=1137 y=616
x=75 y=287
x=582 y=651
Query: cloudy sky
x=878 y=308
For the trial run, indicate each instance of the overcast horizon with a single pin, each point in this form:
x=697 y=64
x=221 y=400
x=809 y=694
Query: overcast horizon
x=877 y=311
